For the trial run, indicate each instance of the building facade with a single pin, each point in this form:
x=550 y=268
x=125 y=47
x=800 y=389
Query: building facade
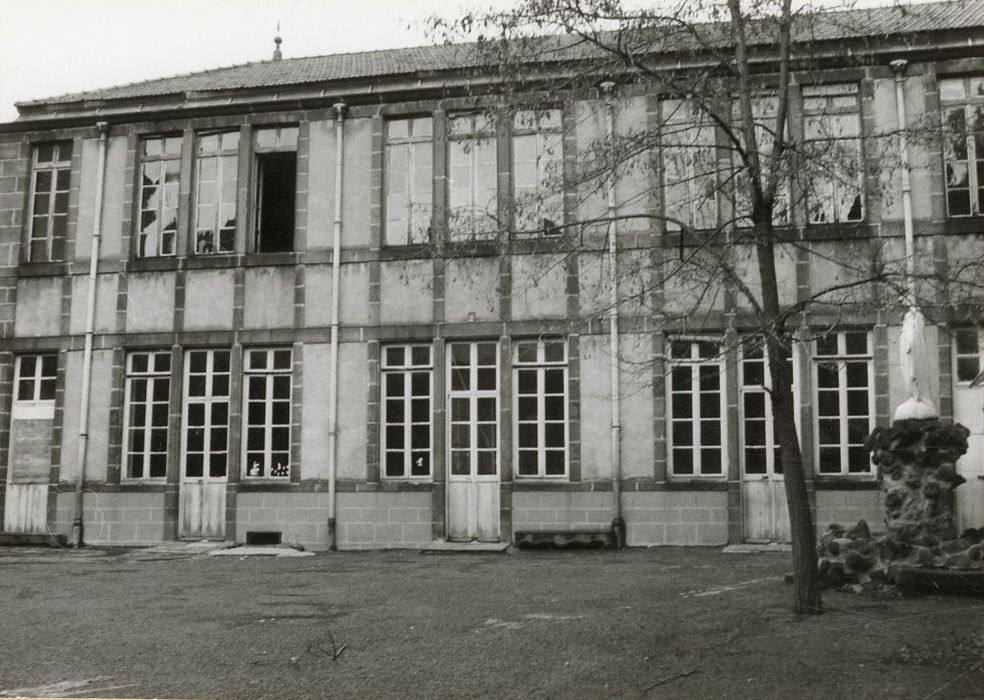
x=295 y=297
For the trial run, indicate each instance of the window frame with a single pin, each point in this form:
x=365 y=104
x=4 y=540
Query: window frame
x=407 y=397
x=473 y=394
x=207 y=399
x=830 y=93
x=222 y=155
x=270 y=372
x=162 y=161
x=765 y=388
x=545 y=201
x=841 y=358
x=967 y=103
x=977 y=355
x=152 y=375
x=701 y=128
x=695 y=361
x=36 y=406
x=541 y=365
x=762 y=121
x=412 y=234
x=56 y=166
x=479 y=138
x=286 y=139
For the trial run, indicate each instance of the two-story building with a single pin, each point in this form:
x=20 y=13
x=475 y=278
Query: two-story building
x=296 y=297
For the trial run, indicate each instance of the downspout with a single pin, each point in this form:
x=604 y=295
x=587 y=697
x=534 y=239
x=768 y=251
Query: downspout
x=618 y=524
x=336 y=254
x=899 y=66
x=912 y=341
x=90 y=324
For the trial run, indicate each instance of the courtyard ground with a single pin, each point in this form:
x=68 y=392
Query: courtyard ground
x=669 y=622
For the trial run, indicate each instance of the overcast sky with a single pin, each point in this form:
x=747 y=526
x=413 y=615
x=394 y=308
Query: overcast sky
x=51 y=47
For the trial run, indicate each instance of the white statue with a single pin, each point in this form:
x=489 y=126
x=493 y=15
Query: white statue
x=914 y=357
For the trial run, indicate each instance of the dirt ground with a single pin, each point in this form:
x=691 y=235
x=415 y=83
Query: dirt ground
x=660 y=623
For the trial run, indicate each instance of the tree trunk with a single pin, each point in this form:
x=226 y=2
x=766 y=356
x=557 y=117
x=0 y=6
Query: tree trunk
x=806 y=579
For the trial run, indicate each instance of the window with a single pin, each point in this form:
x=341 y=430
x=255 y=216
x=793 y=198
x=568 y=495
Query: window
x=967 y=351
x=276 y=189
x=147 y=393
x=407 y=372
x=408 y=180
x=963 y=144
x=832 y=132
x=689 y=156
x=764 y=114
x=760 y=451
x=267 y=413
x=696 y=404
x=160 y=168
x=50 y=177
x=472 y=175
x=843 y=377
x=540 y=368
x=473 y=395
x=36 y=375
x=206 y=412
x=537 y=151
x=215 y=193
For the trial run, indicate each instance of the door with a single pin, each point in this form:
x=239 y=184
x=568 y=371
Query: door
x=968 y=410
x=204 y=444
x=29 y=458
x=766 y=517
x=473 y=428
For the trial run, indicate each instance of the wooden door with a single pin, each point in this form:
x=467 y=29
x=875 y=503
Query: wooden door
x=205 y=445
x=473 y=452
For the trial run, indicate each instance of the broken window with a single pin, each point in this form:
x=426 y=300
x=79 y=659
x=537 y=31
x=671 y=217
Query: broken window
x=696 y=406
x=689 y=159
x=963 y=144
x=160 y=168
x=147 y=394
x=267 y=395
x=540 y=368
x=206 y=414
x=276 y=188
x=216 y=169
x=407 y=372
x=36 y=377
x=472 y=176
x=844 y=381
x=51 y=172
x=835 y=169
x=408 y=180
x=538 y=154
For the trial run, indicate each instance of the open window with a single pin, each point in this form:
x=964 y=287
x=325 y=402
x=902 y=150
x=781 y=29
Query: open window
x=276 y=189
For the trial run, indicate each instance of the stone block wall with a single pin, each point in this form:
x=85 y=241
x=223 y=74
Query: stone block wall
x=847 y=507
x=123 y=519
x=378 y=520
x=561 y=510
x=676 y=518
x=300 y=518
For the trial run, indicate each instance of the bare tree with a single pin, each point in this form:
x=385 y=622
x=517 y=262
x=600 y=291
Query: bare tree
x=720 y=169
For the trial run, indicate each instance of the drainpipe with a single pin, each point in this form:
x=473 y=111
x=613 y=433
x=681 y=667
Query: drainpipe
x=90 y=323
x=912 y=342
x=336 y=254
x=618 y=524
x=898 y=66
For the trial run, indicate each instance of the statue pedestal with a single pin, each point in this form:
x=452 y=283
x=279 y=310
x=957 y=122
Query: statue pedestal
x=916 y=460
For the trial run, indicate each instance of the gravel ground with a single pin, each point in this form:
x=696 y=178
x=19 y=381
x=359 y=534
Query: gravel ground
x=670 y=622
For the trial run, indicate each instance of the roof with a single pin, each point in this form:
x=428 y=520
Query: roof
x=423 y=60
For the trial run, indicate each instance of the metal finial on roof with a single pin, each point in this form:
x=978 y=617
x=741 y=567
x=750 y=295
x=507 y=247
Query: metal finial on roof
x=277 y=55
